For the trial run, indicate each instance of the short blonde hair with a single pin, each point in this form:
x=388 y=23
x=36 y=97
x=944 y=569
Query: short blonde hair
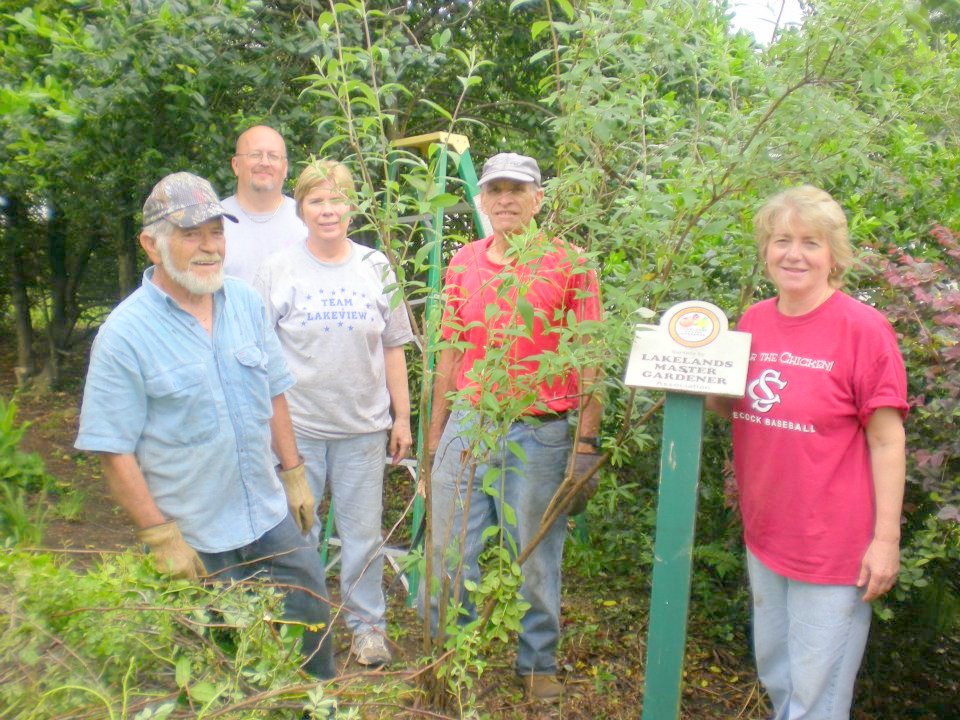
x=816 y=208
x=320 y=172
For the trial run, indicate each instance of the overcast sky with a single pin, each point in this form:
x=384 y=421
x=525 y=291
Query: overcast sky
x=760 y=16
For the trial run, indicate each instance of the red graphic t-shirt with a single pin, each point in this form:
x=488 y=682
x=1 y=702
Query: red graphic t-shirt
x=799 y=443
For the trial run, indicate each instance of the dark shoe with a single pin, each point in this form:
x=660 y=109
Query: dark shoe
x=542 y=687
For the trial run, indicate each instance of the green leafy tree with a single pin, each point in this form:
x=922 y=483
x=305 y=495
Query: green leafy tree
x=100 y=100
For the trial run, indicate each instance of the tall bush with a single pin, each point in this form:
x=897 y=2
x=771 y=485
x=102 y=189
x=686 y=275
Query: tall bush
x=922 y=299
x=669 y=132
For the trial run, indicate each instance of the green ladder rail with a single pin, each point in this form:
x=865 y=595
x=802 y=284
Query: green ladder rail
x=440 y=143
x=437 y=147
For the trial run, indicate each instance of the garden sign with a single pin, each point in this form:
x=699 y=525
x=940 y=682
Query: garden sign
x=690 y=354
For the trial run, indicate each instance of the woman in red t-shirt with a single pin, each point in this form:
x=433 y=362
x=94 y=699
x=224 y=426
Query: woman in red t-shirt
x=819 y=456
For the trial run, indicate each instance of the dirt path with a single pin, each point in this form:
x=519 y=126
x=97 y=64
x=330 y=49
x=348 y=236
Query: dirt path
x=603 y=644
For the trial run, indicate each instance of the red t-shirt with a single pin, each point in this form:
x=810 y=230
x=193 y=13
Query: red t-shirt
x=511 y=319
x=800 y=450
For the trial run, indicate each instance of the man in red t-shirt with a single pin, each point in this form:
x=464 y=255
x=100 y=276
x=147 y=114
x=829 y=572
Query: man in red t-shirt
x=504 y=391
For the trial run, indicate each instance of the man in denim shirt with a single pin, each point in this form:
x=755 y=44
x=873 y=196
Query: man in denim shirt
x=183 y=403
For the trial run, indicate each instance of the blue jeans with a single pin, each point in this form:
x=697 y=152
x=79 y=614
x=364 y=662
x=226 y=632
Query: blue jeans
x=808 y=640
x=526 y=487
x=354 y=467
x=284 y=557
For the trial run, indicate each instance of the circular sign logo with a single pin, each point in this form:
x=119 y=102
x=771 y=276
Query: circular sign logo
x=694 y=326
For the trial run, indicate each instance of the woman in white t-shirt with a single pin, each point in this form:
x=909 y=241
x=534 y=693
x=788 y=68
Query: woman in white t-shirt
x=342 y=324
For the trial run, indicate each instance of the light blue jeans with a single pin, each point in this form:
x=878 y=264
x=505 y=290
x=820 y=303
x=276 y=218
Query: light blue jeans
x=526 y=486
x=808 y=640
x=354 y=467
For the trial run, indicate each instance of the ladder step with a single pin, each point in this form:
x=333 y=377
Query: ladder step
x=387 y=550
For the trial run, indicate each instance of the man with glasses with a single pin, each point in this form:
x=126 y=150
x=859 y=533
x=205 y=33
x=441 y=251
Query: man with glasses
x=268 y=219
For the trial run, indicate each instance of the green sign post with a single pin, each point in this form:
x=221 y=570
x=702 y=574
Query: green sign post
x=690 y=354
x=672 y=556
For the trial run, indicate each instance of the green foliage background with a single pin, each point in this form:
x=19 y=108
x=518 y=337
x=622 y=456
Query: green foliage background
x=660 y=131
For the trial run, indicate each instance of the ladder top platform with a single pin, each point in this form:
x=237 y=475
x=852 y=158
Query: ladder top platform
x=459 y=143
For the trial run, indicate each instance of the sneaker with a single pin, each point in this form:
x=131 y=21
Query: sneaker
x=542 y=687
x=370 y=649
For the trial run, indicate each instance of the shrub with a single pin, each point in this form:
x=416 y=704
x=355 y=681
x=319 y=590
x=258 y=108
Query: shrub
x=922 y=300
x=120 y=641
x=24 y=482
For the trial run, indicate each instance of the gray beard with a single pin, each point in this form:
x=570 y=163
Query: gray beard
x=186 y=279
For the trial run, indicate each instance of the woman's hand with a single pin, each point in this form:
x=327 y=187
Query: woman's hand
x=879 y=568
x=401 y=440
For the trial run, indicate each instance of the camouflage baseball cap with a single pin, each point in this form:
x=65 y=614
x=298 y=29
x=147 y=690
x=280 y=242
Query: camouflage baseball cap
x=184 y=199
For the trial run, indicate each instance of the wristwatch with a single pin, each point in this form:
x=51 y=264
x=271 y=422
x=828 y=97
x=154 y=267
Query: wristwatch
x=586 y=440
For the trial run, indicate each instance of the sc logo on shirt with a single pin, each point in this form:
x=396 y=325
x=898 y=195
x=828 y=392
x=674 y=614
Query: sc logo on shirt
x=761 y=390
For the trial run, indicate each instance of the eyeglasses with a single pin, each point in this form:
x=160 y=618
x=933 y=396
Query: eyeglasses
x=259 y=155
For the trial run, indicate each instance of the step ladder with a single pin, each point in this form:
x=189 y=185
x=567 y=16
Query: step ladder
x=440 y=148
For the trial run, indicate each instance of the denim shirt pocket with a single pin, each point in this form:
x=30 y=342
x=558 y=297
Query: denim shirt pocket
x=255 y=381
x=181 y=409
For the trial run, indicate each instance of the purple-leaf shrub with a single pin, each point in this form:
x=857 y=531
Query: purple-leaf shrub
x=922 y=300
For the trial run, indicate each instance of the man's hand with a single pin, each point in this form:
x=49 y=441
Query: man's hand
x=584 y=464
x=299 y=498
x=172 y=554
x=432 y=443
